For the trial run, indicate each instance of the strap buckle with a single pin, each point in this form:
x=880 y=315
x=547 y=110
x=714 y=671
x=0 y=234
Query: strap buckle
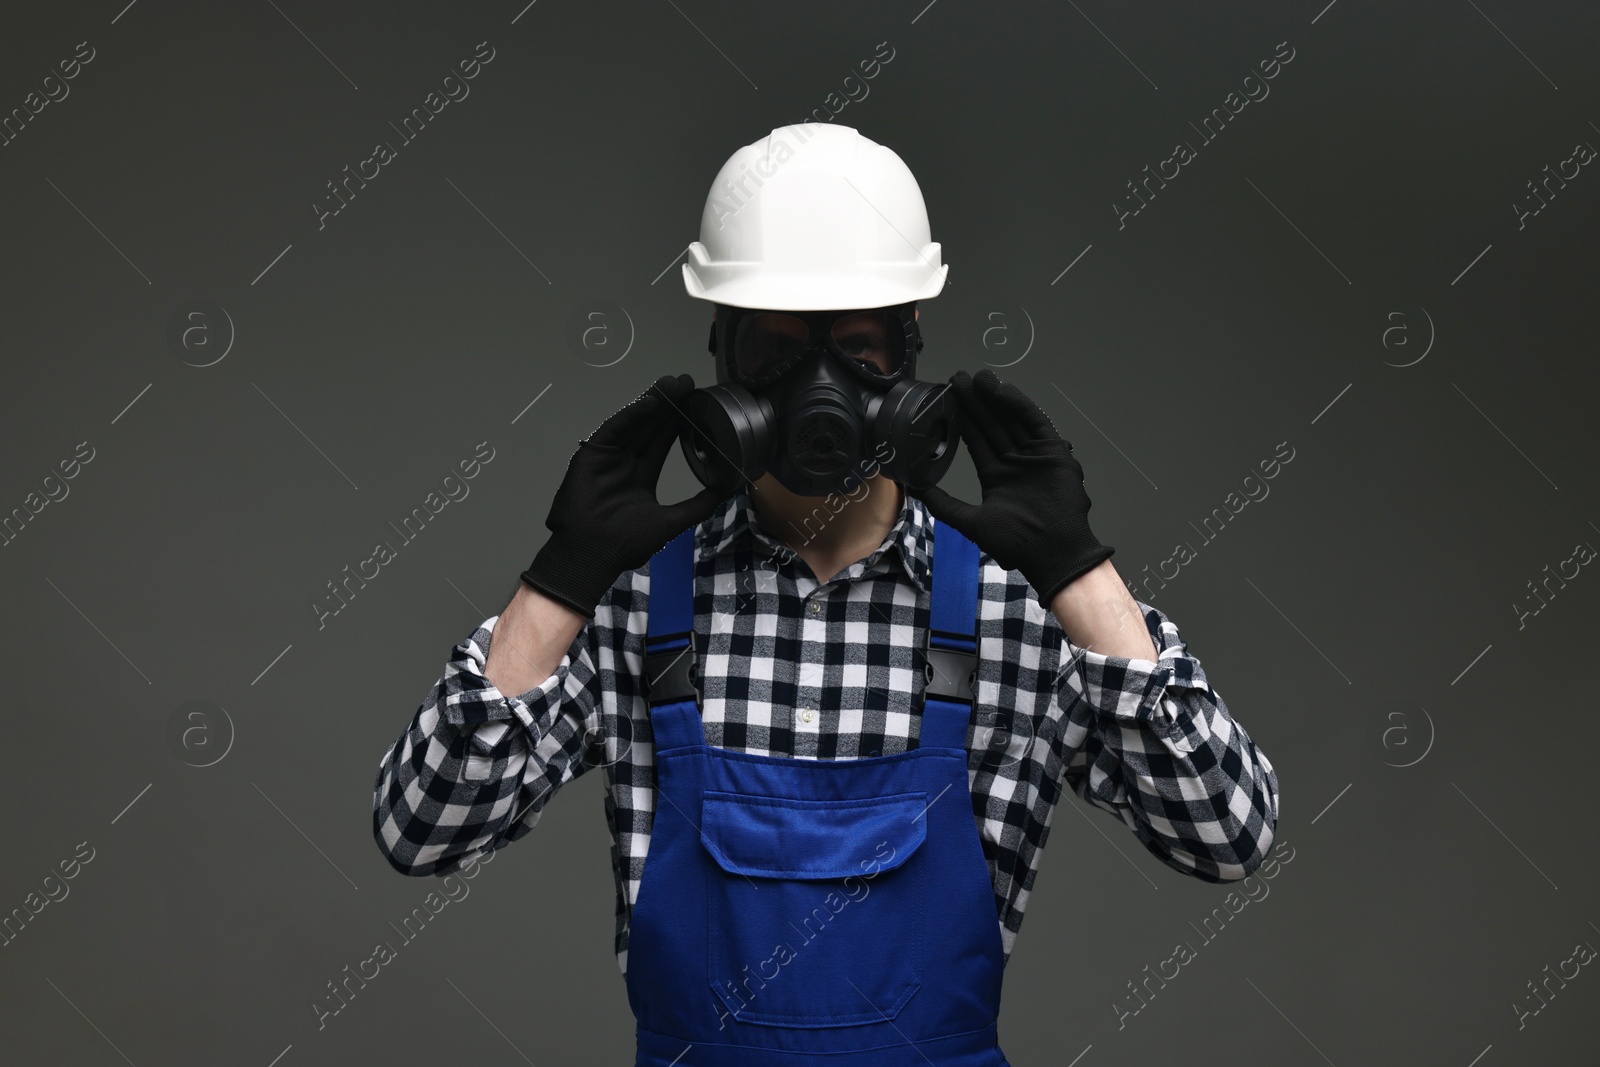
x=950 y=675
x=672 y=676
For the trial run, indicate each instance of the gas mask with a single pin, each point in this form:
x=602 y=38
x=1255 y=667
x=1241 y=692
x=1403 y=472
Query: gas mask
x=822 y=399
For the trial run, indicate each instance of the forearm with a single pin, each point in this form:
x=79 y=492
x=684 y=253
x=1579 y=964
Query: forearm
x=1097 y=612
x=1155 y=731
x=1180 y=742
x=531 y=636
x=437 y=797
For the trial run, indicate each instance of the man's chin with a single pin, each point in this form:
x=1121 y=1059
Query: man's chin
x=853 y=484
x=850 y=486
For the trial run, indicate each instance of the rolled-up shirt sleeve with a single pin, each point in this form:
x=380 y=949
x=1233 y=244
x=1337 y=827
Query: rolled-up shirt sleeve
x=474 y=768
x=1155 y=745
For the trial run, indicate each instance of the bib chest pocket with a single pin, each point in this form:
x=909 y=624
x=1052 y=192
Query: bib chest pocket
x=815 y=907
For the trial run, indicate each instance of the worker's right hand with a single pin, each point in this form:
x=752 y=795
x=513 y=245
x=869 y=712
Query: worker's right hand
x=605 y=518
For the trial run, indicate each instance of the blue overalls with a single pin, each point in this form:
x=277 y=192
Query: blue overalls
x=814 y=913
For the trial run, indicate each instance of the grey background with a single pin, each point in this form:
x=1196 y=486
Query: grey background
x=1359 y=615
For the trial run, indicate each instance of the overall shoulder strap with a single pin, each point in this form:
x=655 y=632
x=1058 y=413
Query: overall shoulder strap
x=951 y=649
x=671 y=669
x=672 y=589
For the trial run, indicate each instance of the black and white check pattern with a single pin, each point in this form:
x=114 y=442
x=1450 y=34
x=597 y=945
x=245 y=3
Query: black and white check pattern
x=834 y=671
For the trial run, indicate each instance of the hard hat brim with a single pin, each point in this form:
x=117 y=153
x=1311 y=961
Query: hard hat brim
x=728 y=283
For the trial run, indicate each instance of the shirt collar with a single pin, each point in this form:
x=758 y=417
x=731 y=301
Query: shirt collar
x=911 y=536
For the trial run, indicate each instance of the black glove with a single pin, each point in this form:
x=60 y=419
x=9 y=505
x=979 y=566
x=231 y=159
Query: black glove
x=605 y=518
x=1035 y=514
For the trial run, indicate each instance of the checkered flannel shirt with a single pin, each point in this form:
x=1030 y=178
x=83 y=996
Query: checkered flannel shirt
x=1149 y=742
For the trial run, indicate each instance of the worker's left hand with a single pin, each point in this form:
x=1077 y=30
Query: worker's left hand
x=1035 y=513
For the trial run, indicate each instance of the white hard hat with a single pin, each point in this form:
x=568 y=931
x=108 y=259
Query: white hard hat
x=814 y=217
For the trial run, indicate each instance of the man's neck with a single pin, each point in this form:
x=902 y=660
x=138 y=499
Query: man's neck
x=811 y=526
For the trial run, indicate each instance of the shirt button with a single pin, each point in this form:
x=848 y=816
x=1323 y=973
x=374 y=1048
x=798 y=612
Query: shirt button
x=816 y=608
x=805 y=715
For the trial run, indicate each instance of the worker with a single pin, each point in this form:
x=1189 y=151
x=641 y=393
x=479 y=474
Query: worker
x=833 y=705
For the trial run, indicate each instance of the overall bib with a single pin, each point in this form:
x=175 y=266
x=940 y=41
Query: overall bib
x=814 y=913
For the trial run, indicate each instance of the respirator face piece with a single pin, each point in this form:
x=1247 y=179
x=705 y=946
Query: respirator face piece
x=822 y=399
